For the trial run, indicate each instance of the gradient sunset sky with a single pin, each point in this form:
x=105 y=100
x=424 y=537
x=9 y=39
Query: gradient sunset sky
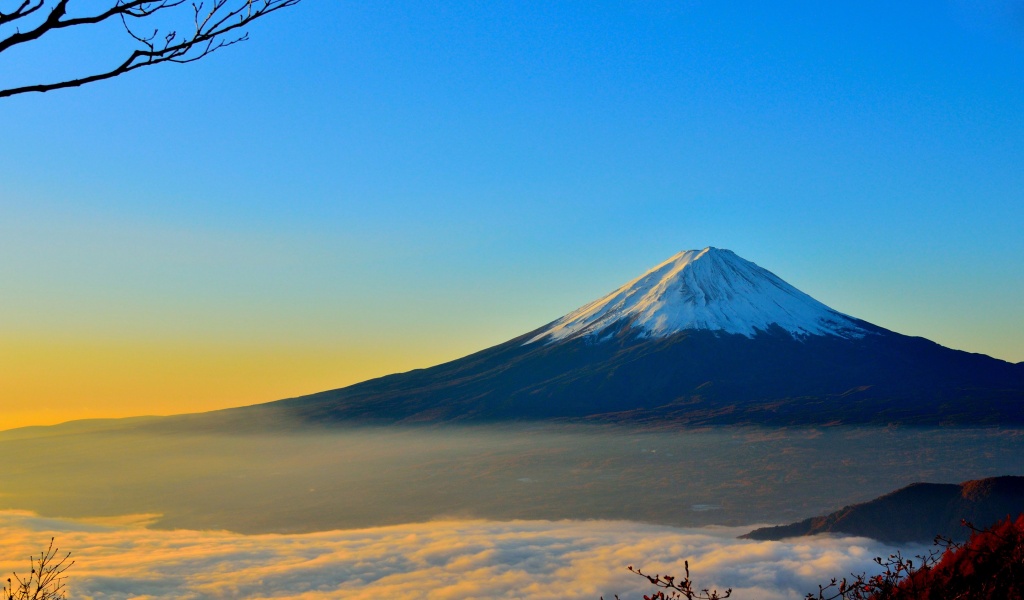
x=365 y=188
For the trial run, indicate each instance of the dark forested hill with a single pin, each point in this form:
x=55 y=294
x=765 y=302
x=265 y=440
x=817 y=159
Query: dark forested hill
x=917 y=512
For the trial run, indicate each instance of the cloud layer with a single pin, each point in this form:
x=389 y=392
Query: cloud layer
x=437 y=560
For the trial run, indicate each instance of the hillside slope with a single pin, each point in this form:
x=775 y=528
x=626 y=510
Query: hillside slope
x=917 y=512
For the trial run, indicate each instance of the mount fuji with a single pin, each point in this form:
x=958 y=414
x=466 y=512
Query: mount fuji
x=703 y=338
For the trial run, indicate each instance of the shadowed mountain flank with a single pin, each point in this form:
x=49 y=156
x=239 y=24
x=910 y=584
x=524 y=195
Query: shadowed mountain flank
x=916 y=513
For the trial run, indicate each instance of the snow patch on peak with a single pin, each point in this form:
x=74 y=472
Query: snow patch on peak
x=709 y=289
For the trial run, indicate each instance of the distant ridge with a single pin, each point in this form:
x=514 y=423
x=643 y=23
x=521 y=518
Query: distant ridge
x=703 y=338
x=916 y=513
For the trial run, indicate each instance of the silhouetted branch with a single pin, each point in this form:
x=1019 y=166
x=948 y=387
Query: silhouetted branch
x=45 y=581
x=216 y=25
x=682 y=589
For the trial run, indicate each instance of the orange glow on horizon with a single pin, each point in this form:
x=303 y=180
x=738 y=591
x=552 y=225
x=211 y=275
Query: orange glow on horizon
x=53 y=381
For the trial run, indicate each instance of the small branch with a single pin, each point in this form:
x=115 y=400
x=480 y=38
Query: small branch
x=55 y=20
x=680 y=589
x=25 y=9
x=211 y=31
x=46 y=579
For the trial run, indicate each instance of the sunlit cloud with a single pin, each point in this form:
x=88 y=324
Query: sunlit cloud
x=436 y=560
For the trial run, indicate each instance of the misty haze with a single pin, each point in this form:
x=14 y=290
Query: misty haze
x=364 y=477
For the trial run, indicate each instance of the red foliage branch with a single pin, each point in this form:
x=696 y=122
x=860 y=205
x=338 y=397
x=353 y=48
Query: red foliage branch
x=989 y=566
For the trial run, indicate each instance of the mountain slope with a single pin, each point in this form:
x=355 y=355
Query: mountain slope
x=704 y=338
x=917 y=512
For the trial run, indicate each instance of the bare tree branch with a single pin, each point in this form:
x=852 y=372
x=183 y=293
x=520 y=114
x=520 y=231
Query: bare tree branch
x=46 y=579
x=215 y=26
x=23 y=10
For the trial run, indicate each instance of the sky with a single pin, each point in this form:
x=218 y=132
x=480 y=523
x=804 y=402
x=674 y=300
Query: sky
x=366 y=188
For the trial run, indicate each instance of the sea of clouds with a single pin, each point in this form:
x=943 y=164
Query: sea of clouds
x=122 y=558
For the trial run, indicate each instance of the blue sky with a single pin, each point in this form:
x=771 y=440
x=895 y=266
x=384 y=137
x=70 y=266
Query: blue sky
x=368 y=188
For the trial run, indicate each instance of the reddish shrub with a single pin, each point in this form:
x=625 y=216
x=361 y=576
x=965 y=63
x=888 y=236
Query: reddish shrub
x=989 y=566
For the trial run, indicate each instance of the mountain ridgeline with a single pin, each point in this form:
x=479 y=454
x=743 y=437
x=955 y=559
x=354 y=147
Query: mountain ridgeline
x=916 y=513
x=704 y=338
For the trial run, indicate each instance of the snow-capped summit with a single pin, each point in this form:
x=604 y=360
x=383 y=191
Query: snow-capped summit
x=709 y=289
